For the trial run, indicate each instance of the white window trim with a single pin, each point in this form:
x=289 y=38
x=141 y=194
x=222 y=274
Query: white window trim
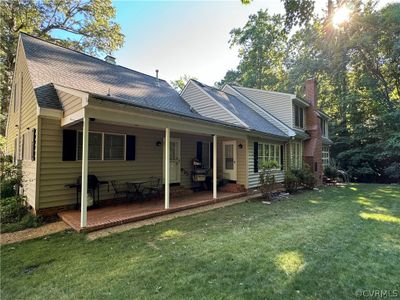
x=124 y=146
x=279 y=154
x=102 y=146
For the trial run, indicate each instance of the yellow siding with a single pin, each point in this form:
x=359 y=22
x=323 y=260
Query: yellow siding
x=70 y=103
x=19 y=122
x=55 y=173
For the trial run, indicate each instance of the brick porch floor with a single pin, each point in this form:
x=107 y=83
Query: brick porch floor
x=109 y=216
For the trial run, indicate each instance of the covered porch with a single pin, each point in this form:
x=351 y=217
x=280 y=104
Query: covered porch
x=104 y=217
x=151 y=144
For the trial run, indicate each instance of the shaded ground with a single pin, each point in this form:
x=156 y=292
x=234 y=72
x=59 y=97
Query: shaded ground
x=316 y=245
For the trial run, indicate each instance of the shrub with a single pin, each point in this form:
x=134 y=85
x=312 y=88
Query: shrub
x=291 y=182
x=12 y=209
x=11 y=177
x=267 y=178
x=306 y=177
x=331 y=171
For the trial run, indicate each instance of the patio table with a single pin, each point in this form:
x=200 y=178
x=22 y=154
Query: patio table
x=135 y=186
x=77 y=186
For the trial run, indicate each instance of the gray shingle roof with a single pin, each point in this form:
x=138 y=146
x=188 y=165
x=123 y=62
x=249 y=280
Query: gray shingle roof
x=46 y=96
x=49 y=63
x=242 y=111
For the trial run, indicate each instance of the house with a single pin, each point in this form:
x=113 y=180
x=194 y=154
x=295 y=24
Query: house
x=72 y=114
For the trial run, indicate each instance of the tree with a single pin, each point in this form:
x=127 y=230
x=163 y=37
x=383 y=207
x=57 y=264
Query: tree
x=179 y=84
x=298 y=12
x=262 y=46
x=86 y=25
x=356 y=65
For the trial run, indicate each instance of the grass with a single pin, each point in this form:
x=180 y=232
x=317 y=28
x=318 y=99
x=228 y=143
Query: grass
x=316 y=245
x=27 y=221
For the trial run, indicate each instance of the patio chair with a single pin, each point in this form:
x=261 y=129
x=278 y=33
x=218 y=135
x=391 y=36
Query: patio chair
x=153 y=187
x=120 y=190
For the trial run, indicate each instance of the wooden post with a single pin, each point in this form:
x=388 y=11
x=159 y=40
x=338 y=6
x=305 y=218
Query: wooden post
x=167 y=167
x=84 y=184
x=215 y=167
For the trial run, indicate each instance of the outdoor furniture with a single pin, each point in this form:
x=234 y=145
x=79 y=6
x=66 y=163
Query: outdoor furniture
x=153 y=187
x=93 y=186
x=135 y=188
x=120 y=189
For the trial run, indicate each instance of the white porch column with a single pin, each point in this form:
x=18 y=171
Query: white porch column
x=85 y=157
x=166 y=167
x=214 y=167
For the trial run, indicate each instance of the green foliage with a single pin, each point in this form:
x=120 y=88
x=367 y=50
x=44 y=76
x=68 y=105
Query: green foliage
x=357 y=68
x=87 y=25
x=261 y=43
x=11 y=177
x=267 y=178
x=331 y=171
x=305 y=177
x=291 y=182
x=12 y=209
x=179 y=84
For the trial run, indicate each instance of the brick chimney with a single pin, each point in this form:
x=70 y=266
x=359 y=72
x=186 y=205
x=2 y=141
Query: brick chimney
x=313 y=146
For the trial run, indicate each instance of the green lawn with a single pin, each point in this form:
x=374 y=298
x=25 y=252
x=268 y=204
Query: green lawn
x=316 y=245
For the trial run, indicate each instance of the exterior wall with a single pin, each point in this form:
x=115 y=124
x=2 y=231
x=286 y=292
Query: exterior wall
x=228 y=89
x=278 y=104
x=19 y=122
x=241 y=159
x=55 y=173
x=313 y=146
x=254 y=177
x=205 y=105
x=70 y=103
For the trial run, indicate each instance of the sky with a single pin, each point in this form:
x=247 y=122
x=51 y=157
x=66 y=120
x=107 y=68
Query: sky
x=185 y=37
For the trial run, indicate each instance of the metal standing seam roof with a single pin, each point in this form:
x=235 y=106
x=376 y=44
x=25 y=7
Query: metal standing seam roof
x=242 y=111
x=51 y=64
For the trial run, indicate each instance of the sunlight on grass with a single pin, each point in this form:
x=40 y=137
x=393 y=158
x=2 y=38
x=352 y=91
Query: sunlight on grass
x=171 y=233
x=290 y=262
x=353 y=188
x=364 y=201
x=379 y=217
x=314 y=201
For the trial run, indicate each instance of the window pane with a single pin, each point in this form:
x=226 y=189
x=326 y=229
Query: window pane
x=229 y=157
x=266 y=151
x=95 y=144
x=296 y=115
x=114 y=146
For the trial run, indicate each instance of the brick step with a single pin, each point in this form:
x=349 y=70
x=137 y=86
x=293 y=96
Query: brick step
x=232 y=188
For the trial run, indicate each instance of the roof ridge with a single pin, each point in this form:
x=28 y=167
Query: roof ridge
x=88 y=55
x=261 y=90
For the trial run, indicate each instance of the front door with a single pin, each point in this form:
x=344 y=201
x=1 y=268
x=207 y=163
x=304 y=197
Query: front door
x=174 y=161
x=229 y=160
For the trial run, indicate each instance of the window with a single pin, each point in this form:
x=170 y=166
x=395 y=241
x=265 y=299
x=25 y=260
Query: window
x=15 y=156
x=296 y=155
x=95 y=145
x=268 y=152
x=14 y=95
x=298 y=116
x=114 y=146
x=323 y=127
x=325 y=156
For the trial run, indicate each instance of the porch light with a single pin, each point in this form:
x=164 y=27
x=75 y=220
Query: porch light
x=158 y=143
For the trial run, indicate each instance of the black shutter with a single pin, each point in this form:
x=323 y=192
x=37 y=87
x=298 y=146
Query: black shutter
x=282 y=153
x=211 y=155
x=255 y=157
x=33 y=152
x=130 y=147
x=69 y=145
x=199 y=152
